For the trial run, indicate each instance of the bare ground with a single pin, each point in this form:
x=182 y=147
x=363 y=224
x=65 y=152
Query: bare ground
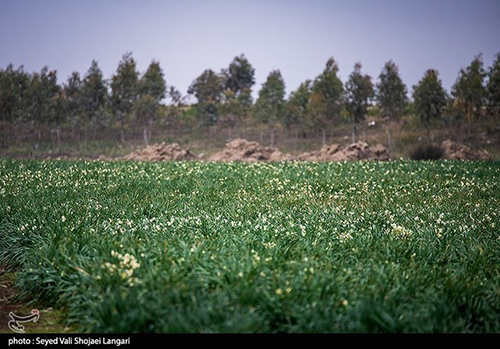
x=50 y=320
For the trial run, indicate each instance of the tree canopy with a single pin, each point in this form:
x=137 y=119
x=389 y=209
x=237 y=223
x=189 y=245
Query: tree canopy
x=469 y=90
x=94 y=94
x=493 y=87
x=35 y=101
x=359 y=92
x=271 y=102
x=207 y=87
x=328 y=90
x=296 y=108
x=429 y=97
x=391 y=91
x=124 y=85
x=240 y=75
x=153 y=82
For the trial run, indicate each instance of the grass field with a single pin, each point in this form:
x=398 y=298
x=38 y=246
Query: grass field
x=398 y=246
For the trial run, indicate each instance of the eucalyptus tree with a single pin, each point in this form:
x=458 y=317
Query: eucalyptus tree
x=270 y=104
x=469 y=91
x=14 y=84
x=124 y=90
x=430 y=99
x=326 y=98
x=296 y=111
x=72 y=90
x=359 y=92
x=152 y=90
x=94 y=97
x=208 y=89
x=39 y=100
x=240 y=75
x=391 y=96
x=238 y=80
x=493 y=87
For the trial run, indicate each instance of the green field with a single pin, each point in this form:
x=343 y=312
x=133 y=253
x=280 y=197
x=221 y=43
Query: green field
x=398 y=246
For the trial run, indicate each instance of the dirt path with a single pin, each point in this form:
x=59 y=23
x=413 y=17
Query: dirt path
x=50 y=320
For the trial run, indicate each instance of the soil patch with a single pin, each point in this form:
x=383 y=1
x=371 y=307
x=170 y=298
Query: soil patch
x=354 y=151
x=456 y=151
x=161 y=152
x=249 y=151
x=48 y=322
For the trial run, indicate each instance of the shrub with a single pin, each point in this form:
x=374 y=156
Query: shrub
x=427 y=152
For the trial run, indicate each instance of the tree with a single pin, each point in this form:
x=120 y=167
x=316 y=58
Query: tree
x=327 y=91
x=207 y=89
x=238 y=80
x=153 y=82
x=74 y=109
x=14 y=84
x=493 y=87
x=145 y=107
x=245 y=101
x=430 y=98
x=359 y=91
x=296 y=107
x=124 y=90
x=240 y=75
x=316 y=114
x=176 y=96
x=94 y=96
x=391 y=96
x=236 y=107
x=42 y=88
x=271 y=101
x=57 y=115
x=469 y=91
x=152 y=89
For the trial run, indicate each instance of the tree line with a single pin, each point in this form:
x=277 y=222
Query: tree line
x=86 y=104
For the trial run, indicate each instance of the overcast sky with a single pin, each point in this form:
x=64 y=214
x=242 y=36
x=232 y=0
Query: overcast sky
x=295 y=36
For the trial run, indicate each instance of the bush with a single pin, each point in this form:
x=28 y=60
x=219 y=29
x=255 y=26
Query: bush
x=427 y=152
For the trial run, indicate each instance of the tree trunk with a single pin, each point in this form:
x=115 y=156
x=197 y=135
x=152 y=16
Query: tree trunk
x=85 y=134
x=145 y=134
x=36 y=135
x=354 y=132
x=241 y=131
x=430 y=135
x=58 y=133
x=79 y=138
x=94 y=129
x=5 y=135
x=324 y=137
x=296 y=139
x=272 y=137
x=73 y=134
x=389 y=137
x=122 y=131
x=468 y=117
x=150 y=127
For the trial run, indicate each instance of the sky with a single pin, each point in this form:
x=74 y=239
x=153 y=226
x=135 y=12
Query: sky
x=295 y=36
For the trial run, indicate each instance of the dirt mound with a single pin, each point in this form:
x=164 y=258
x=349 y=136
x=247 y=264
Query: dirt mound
x=354 y=151
x=456 y=151
x=161 y=152
x=248 y=151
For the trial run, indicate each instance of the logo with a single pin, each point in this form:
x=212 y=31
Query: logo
x=15 y=325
